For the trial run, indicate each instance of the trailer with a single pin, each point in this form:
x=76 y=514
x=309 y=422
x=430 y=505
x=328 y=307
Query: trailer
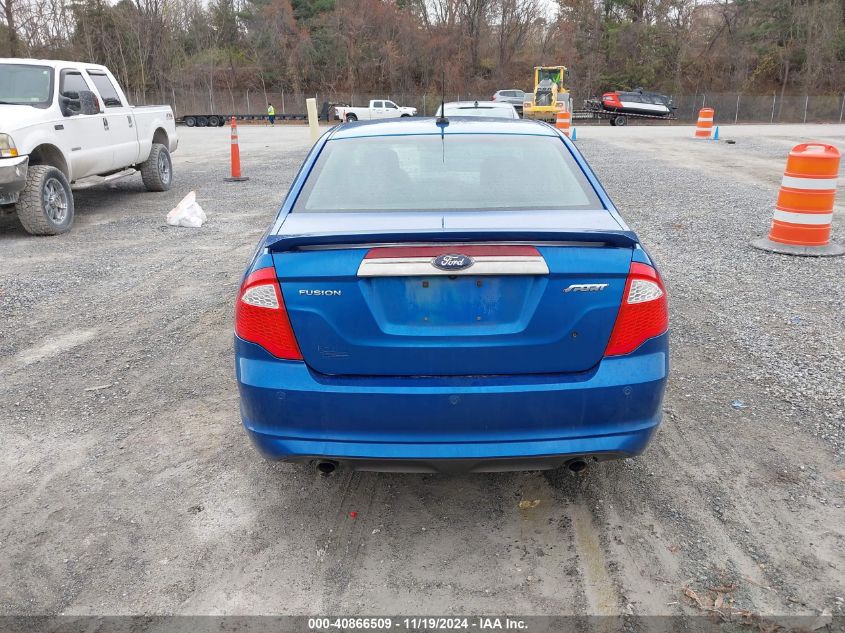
x=593 y=109
x=219 y=120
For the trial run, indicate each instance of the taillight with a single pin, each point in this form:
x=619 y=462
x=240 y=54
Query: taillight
x=261 y=318
x=643 y=314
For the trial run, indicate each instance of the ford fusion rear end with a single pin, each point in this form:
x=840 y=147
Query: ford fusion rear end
x=467 y=300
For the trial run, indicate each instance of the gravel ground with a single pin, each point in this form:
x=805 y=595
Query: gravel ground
x=127 y=485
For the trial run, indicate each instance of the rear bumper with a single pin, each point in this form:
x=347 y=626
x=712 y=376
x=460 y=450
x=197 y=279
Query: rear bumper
x=452 y=423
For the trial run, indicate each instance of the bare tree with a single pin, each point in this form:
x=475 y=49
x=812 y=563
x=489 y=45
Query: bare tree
x=516 y=21
x=9 y=13
x=194 y=50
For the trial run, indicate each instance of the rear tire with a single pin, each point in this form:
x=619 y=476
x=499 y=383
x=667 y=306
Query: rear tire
x=202 y=121
x=157 y=170
x=190 y=121
x=213 y=121
x=45 y=206
x=350 y=118
x=612 y=121
x=621 y=121
x=402 y=116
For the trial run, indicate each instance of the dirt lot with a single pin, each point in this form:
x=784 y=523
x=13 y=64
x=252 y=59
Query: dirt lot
x=127 y=485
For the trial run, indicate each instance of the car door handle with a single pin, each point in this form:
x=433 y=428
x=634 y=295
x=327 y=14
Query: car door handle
x=129 y=118
x=105 y=124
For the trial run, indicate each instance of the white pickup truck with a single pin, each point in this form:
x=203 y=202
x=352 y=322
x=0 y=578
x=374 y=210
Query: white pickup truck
x=66 y=124
x=379 y=109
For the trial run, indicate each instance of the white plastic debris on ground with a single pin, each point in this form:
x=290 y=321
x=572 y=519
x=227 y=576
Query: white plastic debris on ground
x=187 y=213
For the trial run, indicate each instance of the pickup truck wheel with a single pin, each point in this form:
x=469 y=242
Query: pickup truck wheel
x=350 y=118
x=402 y=116
x=157 y=170
x=45 y=206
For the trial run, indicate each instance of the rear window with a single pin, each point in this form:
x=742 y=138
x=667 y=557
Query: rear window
x=107 y=90
x=485 y=172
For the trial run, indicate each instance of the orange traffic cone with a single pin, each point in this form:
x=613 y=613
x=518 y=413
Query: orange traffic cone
x=804 y=210
x=704 y=127
x=236 y=156
x=563 y=121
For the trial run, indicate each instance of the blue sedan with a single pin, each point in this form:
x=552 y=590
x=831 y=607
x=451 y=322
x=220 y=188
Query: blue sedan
x=450 y=296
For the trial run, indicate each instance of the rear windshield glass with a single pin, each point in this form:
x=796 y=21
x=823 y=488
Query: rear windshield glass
x=460 y=172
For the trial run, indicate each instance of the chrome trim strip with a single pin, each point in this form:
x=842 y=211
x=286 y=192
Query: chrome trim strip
x=422 y=267
x=338 y=247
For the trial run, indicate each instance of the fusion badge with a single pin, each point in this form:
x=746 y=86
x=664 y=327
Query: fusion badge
x=321 y=293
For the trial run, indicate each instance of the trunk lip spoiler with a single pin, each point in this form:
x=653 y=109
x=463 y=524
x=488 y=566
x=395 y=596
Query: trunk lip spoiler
x=370 y=239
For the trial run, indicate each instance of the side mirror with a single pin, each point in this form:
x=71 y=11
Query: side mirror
x=82 y=102
x=88 y=102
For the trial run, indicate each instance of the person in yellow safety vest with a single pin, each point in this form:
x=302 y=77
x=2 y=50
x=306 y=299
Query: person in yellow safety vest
x=271 y=113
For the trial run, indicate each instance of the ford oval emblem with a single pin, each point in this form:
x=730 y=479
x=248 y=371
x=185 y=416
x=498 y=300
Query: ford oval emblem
x=452 y=262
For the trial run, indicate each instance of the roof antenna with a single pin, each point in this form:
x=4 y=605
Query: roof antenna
x=442 y=121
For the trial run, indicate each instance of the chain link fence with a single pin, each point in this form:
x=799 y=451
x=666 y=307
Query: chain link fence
x=739 y=108
x=730 y=107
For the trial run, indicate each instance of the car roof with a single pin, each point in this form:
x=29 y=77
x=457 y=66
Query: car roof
x=52 y=63
x=477 y=104
x=410 y=126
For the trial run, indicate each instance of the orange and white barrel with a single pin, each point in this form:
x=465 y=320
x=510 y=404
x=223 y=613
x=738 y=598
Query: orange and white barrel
x=704 y=126
x=563 y=121
x=804 y=209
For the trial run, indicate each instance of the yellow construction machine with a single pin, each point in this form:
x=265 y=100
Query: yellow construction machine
x=549 y=95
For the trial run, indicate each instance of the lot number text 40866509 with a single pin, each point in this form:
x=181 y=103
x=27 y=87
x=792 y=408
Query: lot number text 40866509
x=427 y=623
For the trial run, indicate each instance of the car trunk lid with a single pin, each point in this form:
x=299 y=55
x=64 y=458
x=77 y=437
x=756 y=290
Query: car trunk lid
x=435 y=295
